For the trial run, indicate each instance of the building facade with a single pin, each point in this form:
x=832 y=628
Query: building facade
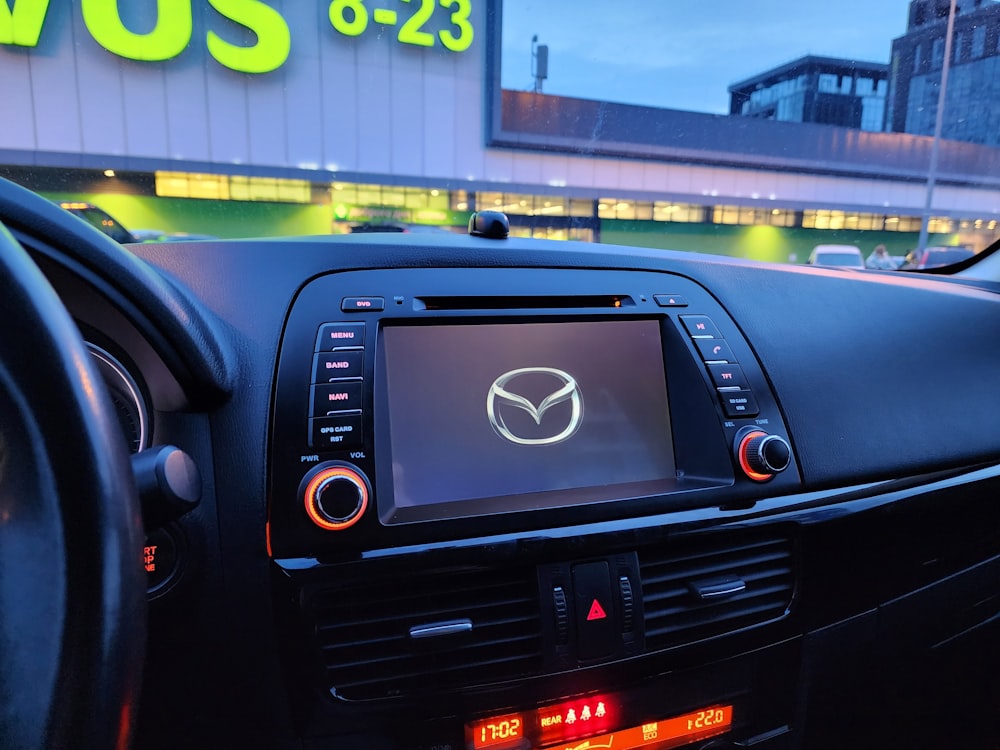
x=825 y=90
x=304 y=118
x=972 y=100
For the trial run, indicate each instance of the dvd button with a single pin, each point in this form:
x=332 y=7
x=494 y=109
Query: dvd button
x=739 y=403
x=329 y=366
x=362 y=304
x=700 y=326
x=714 y=350
x=341 y=431
x=727 y=376
x=336 y=397
x=339 y=336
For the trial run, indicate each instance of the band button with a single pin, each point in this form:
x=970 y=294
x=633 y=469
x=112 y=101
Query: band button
x=329 y=366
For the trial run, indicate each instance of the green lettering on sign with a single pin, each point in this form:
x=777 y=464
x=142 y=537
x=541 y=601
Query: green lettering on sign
x=23 y=24
x=350 y=18
x=274 y=40
x=169 y=37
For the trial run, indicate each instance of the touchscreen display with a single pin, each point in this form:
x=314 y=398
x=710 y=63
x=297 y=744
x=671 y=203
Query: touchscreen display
x=492 y=418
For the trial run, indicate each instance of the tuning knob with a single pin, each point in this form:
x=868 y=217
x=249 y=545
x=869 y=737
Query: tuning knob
x=336 y=496
x=761 y=455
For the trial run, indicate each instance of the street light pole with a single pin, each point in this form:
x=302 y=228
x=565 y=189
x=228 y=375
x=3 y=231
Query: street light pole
x=938 y=125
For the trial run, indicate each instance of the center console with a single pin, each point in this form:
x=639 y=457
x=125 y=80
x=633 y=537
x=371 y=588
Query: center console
x=472 y=476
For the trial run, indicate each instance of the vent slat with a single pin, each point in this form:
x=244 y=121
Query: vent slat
x=370 y=663
x=717 y=619
x=692 y=605
x=421 y=678
x=423 y=615
x=674 y=617
x=363 y=632
x=751 y=579
x=675 y=572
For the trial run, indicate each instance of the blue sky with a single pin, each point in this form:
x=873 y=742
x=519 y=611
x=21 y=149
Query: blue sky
x=685 y=53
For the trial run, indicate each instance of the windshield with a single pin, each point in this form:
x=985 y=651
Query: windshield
x=754 y=130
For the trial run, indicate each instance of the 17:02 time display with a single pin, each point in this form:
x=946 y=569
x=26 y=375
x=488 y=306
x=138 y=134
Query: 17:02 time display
x=499 y=730
x=352 y=17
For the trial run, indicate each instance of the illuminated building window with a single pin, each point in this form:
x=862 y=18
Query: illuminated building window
x=192 y=185
x=458 y=200
x=680 y=212
x=271 y=189
x=940 y=225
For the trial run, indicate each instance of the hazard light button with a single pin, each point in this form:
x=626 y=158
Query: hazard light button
x=596 y=628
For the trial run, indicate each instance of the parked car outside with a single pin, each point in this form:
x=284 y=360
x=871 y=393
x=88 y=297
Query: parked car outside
x=98 y=217
x=935 y=257
x=842 y=256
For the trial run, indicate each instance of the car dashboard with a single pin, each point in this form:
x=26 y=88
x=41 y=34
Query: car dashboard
x=506 y=494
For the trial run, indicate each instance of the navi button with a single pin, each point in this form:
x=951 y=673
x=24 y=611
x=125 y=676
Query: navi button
x=333 y=397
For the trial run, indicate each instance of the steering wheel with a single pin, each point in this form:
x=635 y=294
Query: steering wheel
x=72 y=586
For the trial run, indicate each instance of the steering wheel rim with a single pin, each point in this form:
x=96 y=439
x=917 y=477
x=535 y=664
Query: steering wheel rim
x=72 y=587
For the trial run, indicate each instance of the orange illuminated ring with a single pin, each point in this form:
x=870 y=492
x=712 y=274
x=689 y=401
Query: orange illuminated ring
x=745 y=463
x=317 y=483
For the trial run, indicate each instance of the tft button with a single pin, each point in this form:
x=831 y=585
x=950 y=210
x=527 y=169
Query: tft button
x=727 y=376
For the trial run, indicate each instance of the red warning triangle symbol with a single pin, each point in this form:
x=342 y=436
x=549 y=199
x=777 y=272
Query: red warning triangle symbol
x=596 y=612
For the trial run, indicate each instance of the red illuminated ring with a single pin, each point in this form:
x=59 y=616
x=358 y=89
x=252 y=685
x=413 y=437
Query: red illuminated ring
x=312 y=498
x=745 y=463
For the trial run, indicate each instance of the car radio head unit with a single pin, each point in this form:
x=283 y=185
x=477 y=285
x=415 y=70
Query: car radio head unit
x=414 y=407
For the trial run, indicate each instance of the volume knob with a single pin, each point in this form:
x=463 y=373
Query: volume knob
x=336 y=497
x=761 y=455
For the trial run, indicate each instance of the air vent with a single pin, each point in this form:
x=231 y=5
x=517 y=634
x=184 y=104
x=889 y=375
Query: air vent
x=697 y=590
x=410 y=633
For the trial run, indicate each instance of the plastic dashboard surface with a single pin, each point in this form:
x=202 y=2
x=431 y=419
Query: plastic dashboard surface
x=882 y=385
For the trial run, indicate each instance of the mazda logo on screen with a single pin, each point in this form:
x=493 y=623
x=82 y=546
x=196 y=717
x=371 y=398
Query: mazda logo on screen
x=511 y=396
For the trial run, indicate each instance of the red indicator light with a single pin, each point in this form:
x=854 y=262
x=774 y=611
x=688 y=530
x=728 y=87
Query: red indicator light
x=577 y=718
x=498 y=731
x=596 y=612
x=662 y=735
